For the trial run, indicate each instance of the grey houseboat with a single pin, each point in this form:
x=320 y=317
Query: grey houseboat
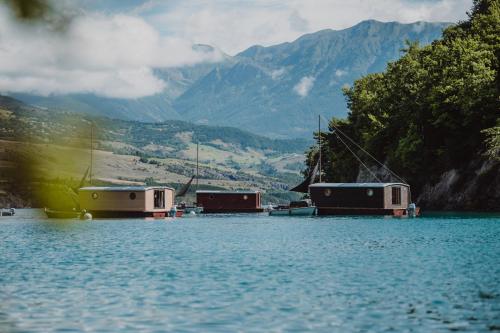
x=360 y=198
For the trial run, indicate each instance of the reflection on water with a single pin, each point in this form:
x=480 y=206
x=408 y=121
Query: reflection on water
x=244 y=273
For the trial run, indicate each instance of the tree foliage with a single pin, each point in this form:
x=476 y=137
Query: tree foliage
x=429 y=111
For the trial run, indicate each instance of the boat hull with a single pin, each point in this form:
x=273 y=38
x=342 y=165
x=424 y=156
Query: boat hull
x=324 y=211
x=61 y=214
x=231 y=211
x=131 y=214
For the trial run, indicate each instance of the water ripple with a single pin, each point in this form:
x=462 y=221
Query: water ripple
x=251 y=274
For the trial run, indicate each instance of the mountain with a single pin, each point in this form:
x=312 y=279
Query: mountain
x=280 y=90
x=276 y=91
x=150 y=109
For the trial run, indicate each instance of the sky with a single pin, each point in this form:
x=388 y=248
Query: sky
x=111 y=47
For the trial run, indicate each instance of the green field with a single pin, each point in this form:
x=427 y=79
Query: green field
x=51 y=147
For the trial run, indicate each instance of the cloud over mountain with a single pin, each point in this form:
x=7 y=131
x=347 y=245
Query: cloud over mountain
x=304 y=86
x=107 y=55
x=233 y=26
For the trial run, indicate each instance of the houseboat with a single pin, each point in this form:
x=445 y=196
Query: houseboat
x=127 y=201
x=229 y=201
x=362 y=199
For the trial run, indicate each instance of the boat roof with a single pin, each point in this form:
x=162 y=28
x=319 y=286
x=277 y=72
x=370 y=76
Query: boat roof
x=124 y=188
x=357 y=185
x=228 y=192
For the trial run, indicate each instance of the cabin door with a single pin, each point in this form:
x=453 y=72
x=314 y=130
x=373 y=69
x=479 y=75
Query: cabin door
x=396 y=195
x=159 y=199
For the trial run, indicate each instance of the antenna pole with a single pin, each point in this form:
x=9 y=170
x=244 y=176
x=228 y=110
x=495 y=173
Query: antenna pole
x=319 y=136
x=91 y=150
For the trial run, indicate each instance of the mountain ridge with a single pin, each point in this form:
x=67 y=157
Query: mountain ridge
x=291 y=83
x=276 y=91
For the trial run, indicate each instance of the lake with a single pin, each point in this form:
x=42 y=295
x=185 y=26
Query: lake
x=250 y=273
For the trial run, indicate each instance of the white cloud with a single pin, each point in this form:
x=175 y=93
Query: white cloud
x=111 y=56
x=234 y=26
x=114 y=55
x=278 y=73
x=304 y=86
x=340 y=73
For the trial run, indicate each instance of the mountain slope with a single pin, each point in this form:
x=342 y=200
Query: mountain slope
x=276 y=91
x=280 y=90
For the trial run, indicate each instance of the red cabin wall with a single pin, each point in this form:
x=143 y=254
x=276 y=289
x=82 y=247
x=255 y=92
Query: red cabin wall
x=229 y=202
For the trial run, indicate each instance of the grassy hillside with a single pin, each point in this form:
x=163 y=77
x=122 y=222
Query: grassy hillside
x=55 y=146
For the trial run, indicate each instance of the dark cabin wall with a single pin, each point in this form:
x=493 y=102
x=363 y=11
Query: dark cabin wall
x=349 y=197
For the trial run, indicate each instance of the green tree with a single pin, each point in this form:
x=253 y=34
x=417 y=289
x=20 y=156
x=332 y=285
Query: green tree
x=433 y=110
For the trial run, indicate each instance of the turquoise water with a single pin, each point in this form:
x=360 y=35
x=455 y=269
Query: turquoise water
x=250 y=274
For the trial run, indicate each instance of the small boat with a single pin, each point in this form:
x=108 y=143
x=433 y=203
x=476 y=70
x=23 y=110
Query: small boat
x=7 y=212
x=189 y=209
x=193 y=209
x=296 y=208
x=62 y=214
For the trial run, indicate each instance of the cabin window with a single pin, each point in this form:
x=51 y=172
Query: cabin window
x=396 y=195
x=369 y=192
x=159 y=196
x=95 y=196
x=132 y=196
x=328 y=192
x=245 y=197
x=211 y=197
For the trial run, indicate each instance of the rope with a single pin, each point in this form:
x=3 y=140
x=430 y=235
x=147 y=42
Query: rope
x=345 y=144
x=367 y=153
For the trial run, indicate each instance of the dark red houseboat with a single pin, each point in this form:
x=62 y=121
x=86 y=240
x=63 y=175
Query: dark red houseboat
x=229 y=201
x=361 y=198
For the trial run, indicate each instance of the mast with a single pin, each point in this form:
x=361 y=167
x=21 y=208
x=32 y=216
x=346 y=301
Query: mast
x=319 y=136
x=197 y=163
x=91 y=150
